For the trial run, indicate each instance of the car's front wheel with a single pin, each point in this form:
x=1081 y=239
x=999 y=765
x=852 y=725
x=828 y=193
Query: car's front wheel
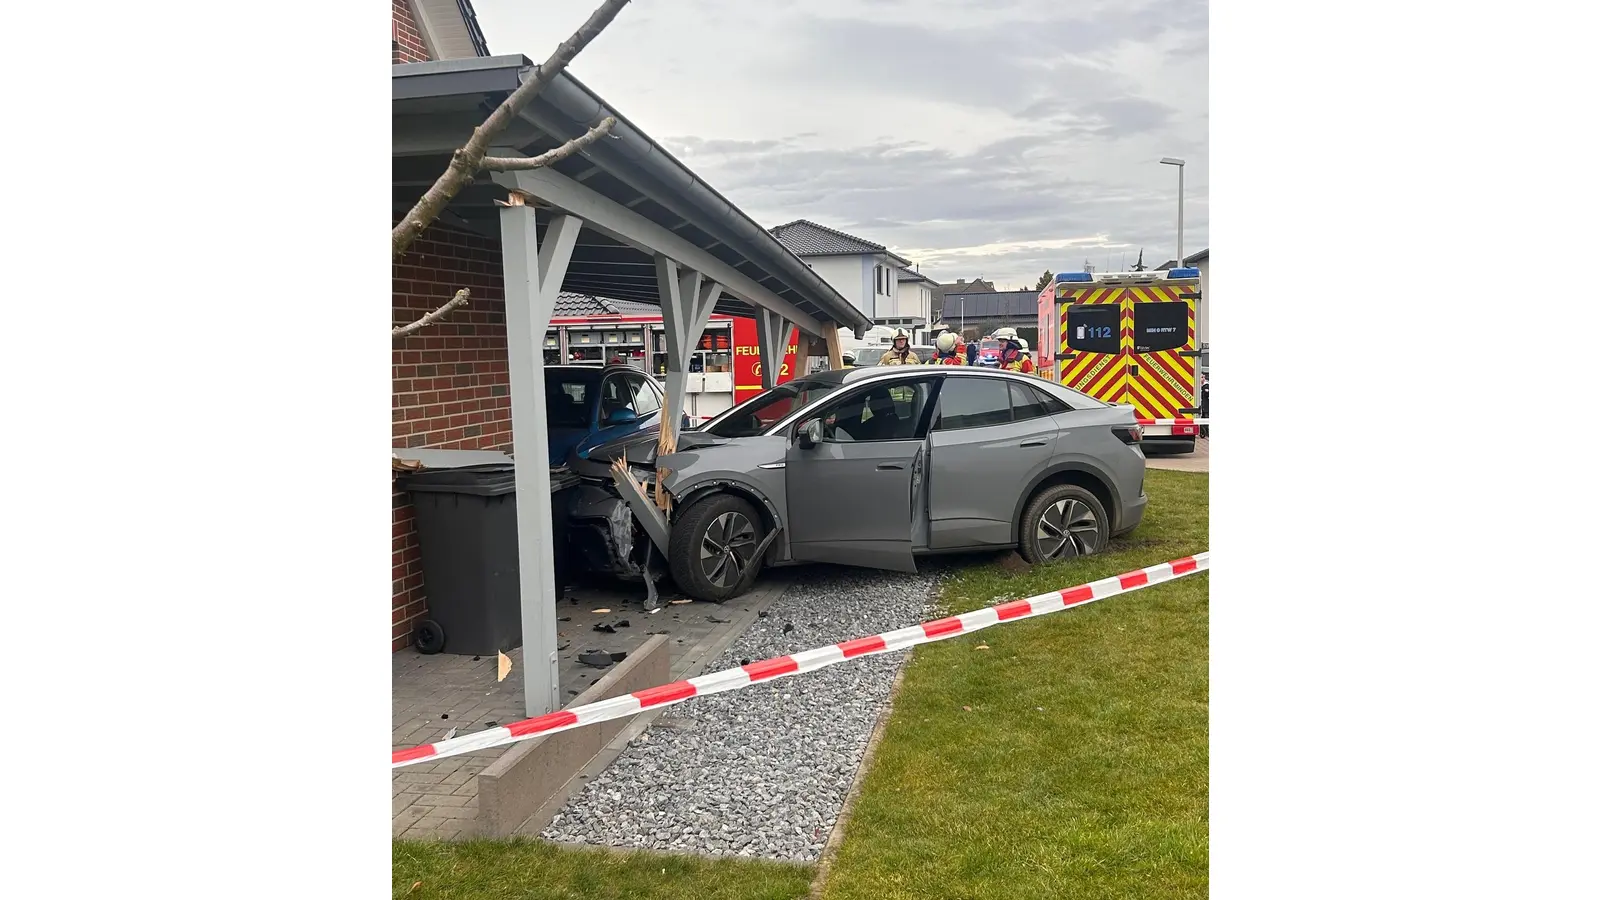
x=713 y=547
x=1064 y=521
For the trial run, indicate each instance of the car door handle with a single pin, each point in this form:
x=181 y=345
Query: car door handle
x=1033 y=443
x=890 y=467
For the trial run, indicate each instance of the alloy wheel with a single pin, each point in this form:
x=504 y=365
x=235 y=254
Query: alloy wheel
x=726 y=549
x=1068 y=529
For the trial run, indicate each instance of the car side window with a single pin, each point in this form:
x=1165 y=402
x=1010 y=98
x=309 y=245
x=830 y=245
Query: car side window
x=645 y=401
x=614 y=395
x=880 y=413
x=1052 y=403
x=973 y=403
x=1026 y=403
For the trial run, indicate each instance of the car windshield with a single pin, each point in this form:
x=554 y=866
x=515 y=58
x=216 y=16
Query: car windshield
x=567 y=398
x=763 y=411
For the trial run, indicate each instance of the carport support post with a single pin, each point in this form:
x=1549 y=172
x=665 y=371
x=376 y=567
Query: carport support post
x=533 y=275
x=830 y=334
x=686 y=303
x=772 y=338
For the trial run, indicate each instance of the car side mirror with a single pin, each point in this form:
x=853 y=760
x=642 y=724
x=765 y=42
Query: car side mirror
x=809 y=435
x=621 y=417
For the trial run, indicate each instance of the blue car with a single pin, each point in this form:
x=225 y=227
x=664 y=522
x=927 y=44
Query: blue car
x=587 y=406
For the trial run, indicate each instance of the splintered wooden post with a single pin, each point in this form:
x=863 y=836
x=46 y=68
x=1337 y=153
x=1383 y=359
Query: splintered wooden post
x=667 y=444
x=830 y=334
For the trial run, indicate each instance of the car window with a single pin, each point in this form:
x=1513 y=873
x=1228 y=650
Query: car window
x=1095 y=327
x=765 y=410
x=973 y=403
x=1052 y=405
x=614 y=395
x=1160 y=326
x=881 y=413
x=1026 y=403
x=645 y=401
x=567 y=402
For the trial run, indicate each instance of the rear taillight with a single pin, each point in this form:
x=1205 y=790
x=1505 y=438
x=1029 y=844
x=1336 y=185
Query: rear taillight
x=1128 y=434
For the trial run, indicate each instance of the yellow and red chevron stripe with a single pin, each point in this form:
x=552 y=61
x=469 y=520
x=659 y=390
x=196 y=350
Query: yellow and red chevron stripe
x=1100 y=375
x=1161 y=385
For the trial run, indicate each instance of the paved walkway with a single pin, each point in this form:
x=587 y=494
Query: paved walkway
x=432 y=694
x=1198 y=461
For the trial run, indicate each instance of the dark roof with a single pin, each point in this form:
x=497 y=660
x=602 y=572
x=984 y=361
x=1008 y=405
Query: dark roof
x=912 y=275
x=1202 y=256
x=571 y=304
x=990 y=304
x=806 y=238
x=1169 y=264
x=968 y=287
x=435 y=106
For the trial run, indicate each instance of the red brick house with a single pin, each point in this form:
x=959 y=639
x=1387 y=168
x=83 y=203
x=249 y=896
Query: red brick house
x=451 y=382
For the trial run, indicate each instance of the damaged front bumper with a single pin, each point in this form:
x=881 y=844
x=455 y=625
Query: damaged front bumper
x=604 y=533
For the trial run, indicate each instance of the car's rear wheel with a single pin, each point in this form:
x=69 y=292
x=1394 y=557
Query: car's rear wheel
x=1064 y=521
x=714 y=546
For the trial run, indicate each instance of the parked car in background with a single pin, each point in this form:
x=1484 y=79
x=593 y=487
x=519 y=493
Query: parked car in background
x=874 y=467
x=588 y=405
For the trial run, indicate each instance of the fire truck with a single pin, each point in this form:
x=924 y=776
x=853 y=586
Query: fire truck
x=724 y=370
x=1127 y=338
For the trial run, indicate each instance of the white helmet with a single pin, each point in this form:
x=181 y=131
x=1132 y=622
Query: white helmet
x=1024 y=344
x=1005 y=334
x=946 y=342
x=900 y=333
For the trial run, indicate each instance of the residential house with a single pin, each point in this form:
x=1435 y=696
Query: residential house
x=980 y=312
x=865 y=273
x=959 y=286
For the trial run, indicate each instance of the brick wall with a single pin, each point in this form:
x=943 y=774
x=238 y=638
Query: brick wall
x=407 y=42
x=451 y=379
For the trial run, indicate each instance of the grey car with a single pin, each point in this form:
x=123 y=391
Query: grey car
x=872 y=467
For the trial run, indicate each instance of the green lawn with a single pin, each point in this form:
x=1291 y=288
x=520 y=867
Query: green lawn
x=508 y=870
x=1080 y=770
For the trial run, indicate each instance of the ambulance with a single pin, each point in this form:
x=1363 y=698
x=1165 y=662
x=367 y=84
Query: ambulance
x=1128 y=338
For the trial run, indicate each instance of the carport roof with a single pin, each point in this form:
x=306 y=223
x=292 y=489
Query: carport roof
x=435 y=107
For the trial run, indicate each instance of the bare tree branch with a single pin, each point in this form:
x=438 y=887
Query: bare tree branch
x=460 y=299
x=550 y=157
x=467 y=160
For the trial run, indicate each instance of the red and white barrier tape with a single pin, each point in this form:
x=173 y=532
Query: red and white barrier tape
x=806 y=661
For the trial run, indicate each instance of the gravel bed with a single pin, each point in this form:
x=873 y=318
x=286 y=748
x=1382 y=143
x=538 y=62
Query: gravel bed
x=761 y=771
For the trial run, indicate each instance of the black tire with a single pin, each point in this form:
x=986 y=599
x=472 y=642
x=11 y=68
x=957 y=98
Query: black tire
x=428 y=637
x=713 y=548
x=1063 y=521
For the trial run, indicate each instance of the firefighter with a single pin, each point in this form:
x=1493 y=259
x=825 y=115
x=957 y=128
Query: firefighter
x=900 y=352
x=1012 y=357
x=950 y=350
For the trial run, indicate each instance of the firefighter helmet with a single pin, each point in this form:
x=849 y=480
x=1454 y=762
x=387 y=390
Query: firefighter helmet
x=946 y=342
x=1005 y=334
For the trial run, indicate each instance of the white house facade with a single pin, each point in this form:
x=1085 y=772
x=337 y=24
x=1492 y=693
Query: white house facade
x=871 y=276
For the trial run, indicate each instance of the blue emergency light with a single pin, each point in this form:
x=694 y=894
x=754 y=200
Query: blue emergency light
x=1183 y=273
x=1074 y=277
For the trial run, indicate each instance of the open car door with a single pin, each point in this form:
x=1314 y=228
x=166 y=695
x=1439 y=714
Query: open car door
x=852 y=476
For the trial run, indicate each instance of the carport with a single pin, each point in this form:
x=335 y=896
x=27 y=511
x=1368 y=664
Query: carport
x=621 y=219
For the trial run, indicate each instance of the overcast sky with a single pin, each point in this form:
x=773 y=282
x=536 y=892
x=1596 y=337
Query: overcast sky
x=997 y=138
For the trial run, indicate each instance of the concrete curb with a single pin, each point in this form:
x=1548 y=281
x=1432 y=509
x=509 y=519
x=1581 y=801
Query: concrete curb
x=692 y=663
x=523 y=778
x=830 y=850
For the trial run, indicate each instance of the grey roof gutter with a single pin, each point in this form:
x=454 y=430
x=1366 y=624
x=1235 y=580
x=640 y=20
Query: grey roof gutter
x=583 y=109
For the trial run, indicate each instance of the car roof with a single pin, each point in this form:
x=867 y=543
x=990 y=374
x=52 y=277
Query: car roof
x=594 y=372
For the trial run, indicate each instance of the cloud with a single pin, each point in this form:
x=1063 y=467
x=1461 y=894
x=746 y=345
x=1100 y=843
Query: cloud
x=994 y=137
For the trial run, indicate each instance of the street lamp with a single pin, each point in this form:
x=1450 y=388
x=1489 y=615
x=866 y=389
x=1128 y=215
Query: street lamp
x=1169 y=161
